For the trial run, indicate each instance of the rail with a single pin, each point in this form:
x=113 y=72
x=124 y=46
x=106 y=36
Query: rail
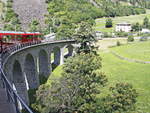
x=7 y=52
x=13 y=48
x=12 y=94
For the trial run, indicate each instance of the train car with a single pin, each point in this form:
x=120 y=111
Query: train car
x=8 y=38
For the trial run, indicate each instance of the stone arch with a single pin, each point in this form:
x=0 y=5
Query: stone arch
x=19 y=81
x=57 y=54
x=30 y=71
x=69 y=51
x=43 y=63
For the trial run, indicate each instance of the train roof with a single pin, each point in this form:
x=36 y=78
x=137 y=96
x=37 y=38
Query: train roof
x=18 y=33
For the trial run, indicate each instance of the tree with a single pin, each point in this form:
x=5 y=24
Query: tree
x=15 y=22
x=11 y=18
x=130 y=38
x=118 y=43
x=77 y=88
x=108 y=23
x=136 y=27
x=65 y=31
x=122 y=99
x=8 y=27
x=34 y=26
x=86 y=38
x=146 y=23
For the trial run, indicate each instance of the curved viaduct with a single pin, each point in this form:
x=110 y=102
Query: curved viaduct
x=24 y=66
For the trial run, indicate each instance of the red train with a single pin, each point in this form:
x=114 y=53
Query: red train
x=8 y=38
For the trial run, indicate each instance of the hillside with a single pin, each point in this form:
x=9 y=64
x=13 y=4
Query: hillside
x=29 y=10
x=74 y=10
x=139 y=3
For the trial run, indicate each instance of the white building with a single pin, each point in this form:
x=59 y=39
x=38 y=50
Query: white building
x=125 y=27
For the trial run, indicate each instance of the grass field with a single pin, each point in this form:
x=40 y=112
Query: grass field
x=100 y=23
x=108 y=42
x=137 y=74
x=137 y=51
x=56 y=74
x=123 y=71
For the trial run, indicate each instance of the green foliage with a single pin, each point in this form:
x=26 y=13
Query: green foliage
x=146 y=23
x=122 y=99
x=139 y=3
x=8 y=27
x=134 y=73
x=32 y=95
x=77 y=88
x=65 y=31
x=107 y=35
x=64 y=16
x=109 y=23
x=43 y=79
x=11 y=20
x=130 y=38
x=113 y=9
x=86 y=38
x=118 y=43
x=9 y=15
x=121 y=34
x=136 y=27
x=34 y=26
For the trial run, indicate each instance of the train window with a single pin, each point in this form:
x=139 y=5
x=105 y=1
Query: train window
x=19 y=38
x=29 y=36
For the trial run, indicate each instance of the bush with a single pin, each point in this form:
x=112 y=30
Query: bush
x=121 y=34
x=130 y=38
x=122 y=99
x=118 y=43
x=107 y=35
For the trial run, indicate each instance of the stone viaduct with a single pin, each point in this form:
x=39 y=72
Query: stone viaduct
x=25 y=66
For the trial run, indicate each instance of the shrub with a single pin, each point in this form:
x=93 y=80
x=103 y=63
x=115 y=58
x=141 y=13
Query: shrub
x=121 y=34
x=107 y=35
x=130 y=38
x=118 y=43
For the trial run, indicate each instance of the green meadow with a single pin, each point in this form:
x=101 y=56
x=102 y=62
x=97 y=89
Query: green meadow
x=137 y=51
x=123 y=71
